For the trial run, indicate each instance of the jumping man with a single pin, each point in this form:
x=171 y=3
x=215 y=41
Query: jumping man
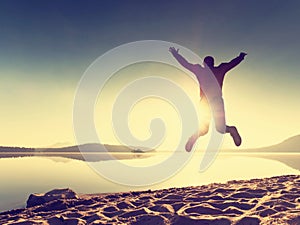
x=211 y=94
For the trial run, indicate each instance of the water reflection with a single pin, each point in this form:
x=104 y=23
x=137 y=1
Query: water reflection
x=22 y=176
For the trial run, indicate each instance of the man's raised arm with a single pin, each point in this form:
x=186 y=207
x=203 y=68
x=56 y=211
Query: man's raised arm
x=234 y=62
x=180 y=59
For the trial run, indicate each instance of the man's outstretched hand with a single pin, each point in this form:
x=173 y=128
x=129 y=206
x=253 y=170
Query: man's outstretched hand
x=243 y=54
x=173 y=50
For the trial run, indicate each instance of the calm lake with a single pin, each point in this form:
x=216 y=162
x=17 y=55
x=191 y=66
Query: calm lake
x=25 y=175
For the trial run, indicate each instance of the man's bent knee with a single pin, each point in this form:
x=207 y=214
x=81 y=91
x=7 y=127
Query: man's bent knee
x=203 y=131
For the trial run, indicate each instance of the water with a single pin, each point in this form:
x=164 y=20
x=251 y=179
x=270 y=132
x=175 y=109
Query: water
x=23 y=176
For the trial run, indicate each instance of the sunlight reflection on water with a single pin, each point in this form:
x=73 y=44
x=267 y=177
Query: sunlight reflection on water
x=23 y=176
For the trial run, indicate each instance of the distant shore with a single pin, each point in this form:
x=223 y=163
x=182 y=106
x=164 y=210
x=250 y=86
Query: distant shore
x=86 y=152
x=273 y=200
x=284 y=152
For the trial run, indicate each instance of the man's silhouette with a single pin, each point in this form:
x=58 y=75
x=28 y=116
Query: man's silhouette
x=210 y=94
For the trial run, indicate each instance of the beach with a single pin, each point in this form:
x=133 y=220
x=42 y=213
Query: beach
x=274 y=200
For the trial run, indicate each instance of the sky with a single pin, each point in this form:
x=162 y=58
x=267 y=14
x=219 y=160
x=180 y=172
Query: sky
x=46 y=46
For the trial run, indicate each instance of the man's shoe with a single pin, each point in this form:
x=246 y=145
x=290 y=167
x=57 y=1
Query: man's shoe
x=236 y=136
x=192 y=140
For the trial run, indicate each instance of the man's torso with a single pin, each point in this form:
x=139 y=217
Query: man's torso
x=210 y=80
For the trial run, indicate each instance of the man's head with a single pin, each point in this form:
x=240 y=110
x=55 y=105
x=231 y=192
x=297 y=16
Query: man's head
x=209 y=61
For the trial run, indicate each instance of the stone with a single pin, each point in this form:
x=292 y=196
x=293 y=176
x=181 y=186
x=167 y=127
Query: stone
x=56 y=194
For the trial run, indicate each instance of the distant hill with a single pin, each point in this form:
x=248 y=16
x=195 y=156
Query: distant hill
x=93 y=147
x=75 y=152
x=289 y=145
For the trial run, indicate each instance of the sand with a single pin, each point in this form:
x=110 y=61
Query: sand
x=273 y=200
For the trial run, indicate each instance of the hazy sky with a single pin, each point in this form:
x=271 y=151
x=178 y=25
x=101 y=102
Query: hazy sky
x=45 y=47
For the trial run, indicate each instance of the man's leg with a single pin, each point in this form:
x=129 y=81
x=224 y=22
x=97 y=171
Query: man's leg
x=219 y=117
x=192 y=140
x=204 y=124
